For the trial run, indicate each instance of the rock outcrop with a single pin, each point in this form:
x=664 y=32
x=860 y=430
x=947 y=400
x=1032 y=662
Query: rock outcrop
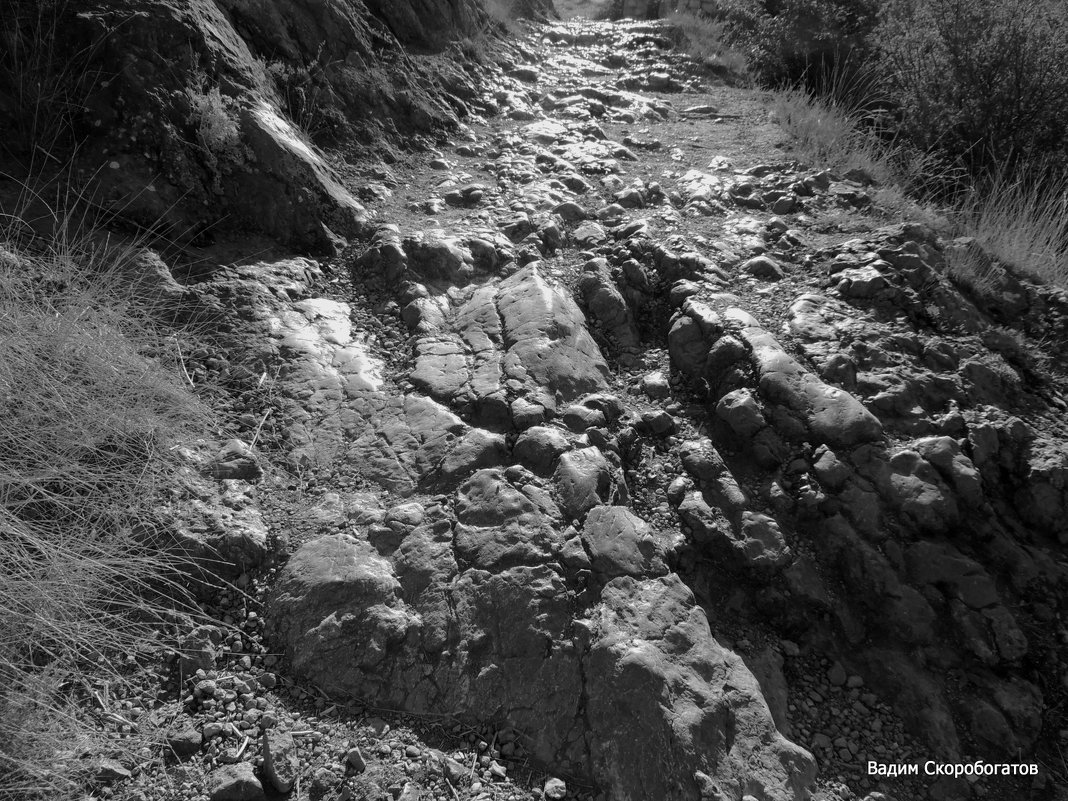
x=590 y=426
x=213 y=115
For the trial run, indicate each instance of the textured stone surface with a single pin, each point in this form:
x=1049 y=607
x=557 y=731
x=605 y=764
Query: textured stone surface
x=586 y=474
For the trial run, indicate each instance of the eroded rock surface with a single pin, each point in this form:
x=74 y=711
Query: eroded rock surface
x=603 y=419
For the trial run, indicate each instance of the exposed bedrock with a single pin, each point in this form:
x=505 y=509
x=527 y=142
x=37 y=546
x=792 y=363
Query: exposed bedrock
x=528 y=593
x=213 y=115
x=575 y=639
x=585 y=480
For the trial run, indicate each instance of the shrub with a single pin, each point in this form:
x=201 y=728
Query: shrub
x=794 y=41
x=980 y=80
x=307 y=96
x=216 y=122
x=92 y=407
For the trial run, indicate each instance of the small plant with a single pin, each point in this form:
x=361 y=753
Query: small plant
x=92 y=408
x=307 y=96
x=215 y=117
x=1021 y=222
x=218 y=131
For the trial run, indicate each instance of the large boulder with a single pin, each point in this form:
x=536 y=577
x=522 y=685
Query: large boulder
x=622 y=544
x=651 y=642
x=831 y=415
x=485 y=623
x=523 y=329
x=337 y=592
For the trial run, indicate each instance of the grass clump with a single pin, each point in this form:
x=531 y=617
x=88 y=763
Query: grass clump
x=1019 y=221
x=308 y=97
x=44 y=80
x=93 y=403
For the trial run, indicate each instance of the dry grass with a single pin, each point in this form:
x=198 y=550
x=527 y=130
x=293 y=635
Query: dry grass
x=92 y=407
x=42 y=79
x=706 y=39
x=1021 y=222
x=831 y=135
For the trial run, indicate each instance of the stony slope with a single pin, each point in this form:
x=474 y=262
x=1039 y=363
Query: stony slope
x=674 y=462
x=194 y=118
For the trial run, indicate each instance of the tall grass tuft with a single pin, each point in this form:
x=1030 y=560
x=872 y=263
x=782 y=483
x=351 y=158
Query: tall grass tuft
x=1019 y=218
x=44 y=81
x=92 y=406
x=833 y=136
x=1021 y=221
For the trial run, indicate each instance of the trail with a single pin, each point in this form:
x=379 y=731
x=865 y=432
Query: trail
x=680 y=461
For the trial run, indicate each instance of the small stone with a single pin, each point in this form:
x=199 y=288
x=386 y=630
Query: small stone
x=659 y=81
x=589 y=235
x=235 y=782
x=186 y=741
x=784 y=205
x=205 y=688
x=763 y=267
x=658 y=422
x=110 y=770
x=355 y=760
x=454 y=771
x=681 y=290
x=554 y=789
x=836 y=675
x=236 y=460
x=571 y=211
x=656 y=385
x=325 y=779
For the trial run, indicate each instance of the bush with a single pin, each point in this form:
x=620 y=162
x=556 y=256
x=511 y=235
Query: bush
x=980 y=80
x=308 y=97
x=92 y=407
x=795 y=41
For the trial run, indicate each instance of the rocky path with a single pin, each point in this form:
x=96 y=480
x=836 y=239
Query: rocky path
x=628 y=449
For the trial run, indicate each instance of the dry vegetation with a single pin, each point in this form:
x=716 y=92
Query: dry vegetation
x=93 y=405
x=955 y=104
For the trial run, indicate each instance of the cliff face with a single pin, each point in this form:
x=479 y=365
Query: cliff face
x=207 y=113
